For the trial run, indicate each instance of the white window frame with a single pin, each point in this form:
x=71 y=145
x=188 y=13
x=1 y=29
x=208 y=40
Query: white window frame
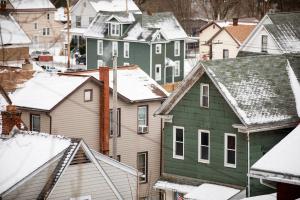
x=114 y=46
x=118 y=122
x=146 y=119
x=200 y=131
x=99 y=63
x=88 y=95
x=78 y=23
x=158 y=48
x=126 y=49
x=177 y=48
x=145 y=166
x=174 y=143
x=33 y=118
x=225 y=56
x=177 y=68
x=115 y=29
x=264 y=48
x=126 y=64
x=226 y=148
x=87 y=197
x=100 y=47
x=158 y=76
x=201 y=95
x=46 y=31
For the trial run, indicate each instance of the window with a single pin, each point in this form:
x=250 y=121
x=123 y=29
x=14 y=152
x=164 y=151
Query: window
x=88 y=95
x=35 y=26
x=78 y=21
x=115 y=48
x=225 y=53
x=126 y=64
x=203 y=146
x=46 y=31
x=82 y=198
x=264 y=43
x=142 y=119
x=111 y=122
x=178 y=142
x=100 y=47
x=158 y=72
x=100 y=63
x=142 y=166
x=204 y=95
x=230 y=150
x=35 y=39
x=48 y=16
x=158 y=48
x=158 y=37
x=114 y=29
x=35 y=122
x=177 y=68
x=126 y=50
x=91 y=19
x=177 y=48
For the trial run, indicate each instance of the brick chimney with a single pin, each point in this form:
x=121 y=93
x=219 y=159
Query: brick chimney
x=104 y=110
x=10 y=118
x=235 y=21
x=3 y=5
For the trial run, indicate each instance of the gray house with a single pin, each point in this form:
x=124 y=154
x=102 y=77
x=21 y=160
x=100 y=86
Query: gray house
x=154 y=42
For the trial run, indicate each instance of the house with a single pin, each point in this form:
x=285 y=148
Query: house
x=280 y=171
x=139 y=133
x=42 y=166
x=276 y=33
x=154 y=42
x=37 y=19
x=222 y=39
x=224 y=116
x=61 y=104
x=14 y=42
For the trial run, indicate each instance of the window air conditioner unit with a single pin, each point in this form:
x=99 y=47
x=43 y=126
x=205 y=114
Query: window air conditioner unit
x=143 y=129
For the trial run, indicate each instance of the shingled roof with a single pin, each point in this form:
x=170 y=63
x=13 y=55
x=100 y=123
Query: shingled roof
x=258 y=89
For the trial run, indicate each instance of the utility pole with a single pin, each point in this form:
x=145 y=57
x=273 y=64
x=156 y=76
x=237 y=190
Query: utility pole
x=68 y=30
x=115 y=108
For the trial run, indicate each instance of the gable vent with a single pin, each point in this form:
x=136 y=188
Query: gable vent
x=80 y=157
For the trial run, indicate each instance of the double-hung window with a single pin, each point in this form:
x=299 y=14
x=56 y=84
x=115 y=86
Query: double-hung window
x=178 y=142
x=158 y=72
x=158 y=48
x=230 y=150
x=204 y=95
x=115 y=48
x=118 y=122
x=142 y=119
x=46 y=31
x=177 y=48
x=114 y=29
x=35 y=122
x=78 y=21
x=203 y=146
x=100 y=47
x=264 y=43
x=142 y=166
x=35 y=26
x=225 y=53
x=88 y=95
x=177 y=68
x=126 y=50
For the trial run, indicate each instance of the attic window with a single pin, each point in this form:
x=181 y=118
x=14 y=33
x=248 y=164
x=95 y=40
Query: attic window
x=204 y=95
x=264 y=43
x=88 y=95
x=114 y=29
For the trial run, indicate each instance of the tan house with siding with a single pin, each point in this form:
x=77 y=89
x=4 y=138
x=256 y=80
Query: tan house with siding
x=139 y=133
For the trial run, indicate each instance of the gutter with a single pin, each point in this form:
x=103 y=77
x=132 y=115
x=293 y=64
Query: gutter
x=50 y=126
x=245 y=129
x=261 y=181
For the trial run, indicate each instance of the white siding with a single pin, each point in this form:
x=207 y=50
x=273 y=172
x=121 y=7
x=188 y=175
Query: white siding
x=84 y=12
x=130 y=143
x=224 y=41
x=204 y=36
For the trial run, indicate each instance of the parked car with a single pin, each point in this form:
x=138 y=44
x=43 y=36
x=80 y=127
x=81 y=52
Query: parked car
x=35 y=54
x=81 y=60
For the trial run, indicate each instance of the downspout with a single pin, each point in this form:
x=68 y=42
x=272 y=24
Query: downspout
x=248 y=152
x=50 y=124
x=150 y=59
x=138 y=186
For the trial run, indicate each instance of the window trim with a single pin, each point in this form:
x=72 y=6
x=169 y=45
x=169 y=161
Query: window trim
x=177 y=75
x=126 y=64
x=88 y=90
x=147 y=120
x=157 y=78
x=225 y=50
x=112 y=48
x=46 y=31
x=146 y=165
x=225 y=150
x=126 y=44
x=200 y=160
x=31 y=121
x=35 y=26
x=177 y=47
x=201 y=95
x=158 y=50
x=100 y=50
x=78 y=22
x=115 y=29
x=264 y=49
x=174 y=143
x=119 y=120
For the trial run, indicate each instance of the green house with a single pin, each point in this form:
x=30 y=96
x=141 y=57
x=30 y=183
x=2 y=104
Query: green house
x=224 y=116
x=154 y=42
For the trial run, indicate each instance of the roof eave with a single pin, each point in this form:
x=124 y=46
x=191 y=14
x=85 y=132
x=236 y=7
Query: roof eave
x=263 y=127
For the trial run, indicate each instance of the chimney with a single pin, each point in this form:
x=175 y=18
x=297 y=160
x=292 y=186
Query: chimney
x=104 y=110
x=235 y=21
x=10 y=118
x=3 y=5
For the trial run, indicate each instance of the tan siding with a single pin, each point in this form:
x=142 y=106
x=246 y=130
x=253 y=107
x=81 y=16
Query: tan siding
x=76 y=118
x=45 y=120
x=130 y=143
x=32 y=188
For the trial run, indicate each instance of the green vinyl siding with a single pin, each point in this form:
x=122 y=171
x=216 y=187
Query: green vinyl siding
x=91 y=59
x=158 y=59
x=170 y=54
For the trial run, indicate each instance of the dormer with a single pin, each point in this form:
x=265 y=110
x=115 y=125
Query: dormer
x=158 y=36
x=118 y=23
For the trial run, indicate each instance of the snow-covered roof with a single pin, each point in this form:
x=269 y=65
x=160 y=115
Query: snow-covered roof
x=45 y=90
x=258 y=89
x=26 y=152
x=272 y=196
x=11 y=32
x=31 y=4
x=278 y=164
x=114 y=5
x=211 y=192
x=181 y=188
x=134 y=84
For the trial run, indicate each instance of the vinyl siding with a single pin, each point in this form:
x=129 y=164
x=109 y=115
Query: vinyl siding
x=224 y=41
x=32 y=188
x=130 y=143
x=45 y=120
x=79 y=119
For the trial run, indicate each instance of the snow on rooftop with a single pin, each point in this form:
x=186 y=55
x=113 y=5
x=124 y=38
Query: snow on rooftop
x=211 y=192
x=272 y=196
x=11 y=32
x=45 y=90
x=295 y=85
x=31 y=4
x=26 y=152
x=165 y=185
x=277 y=162
x=114 y=5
